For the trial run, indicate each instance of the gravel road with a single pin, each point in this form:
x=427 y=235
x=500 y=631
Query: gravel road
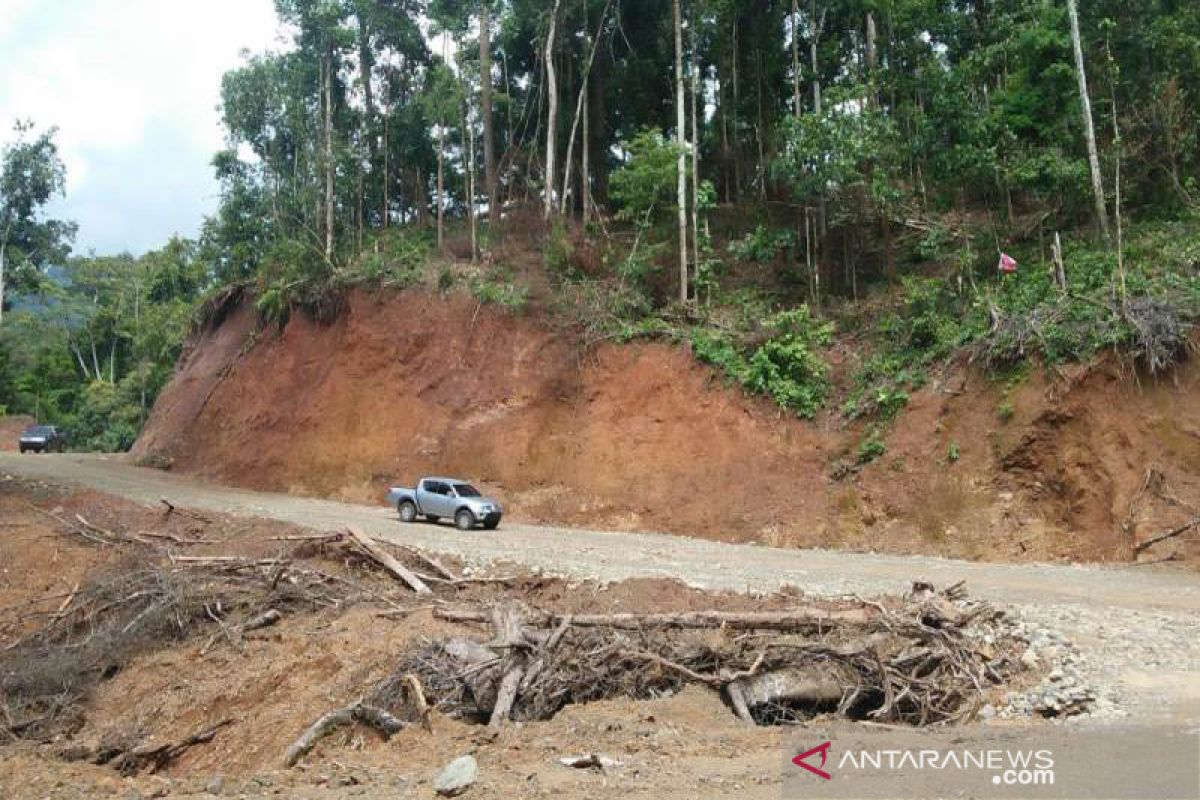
x=1135 y=631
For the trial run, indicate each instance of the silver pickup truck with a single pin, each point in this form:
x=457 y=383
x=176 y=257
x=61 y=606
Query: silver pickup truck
x=435 y=498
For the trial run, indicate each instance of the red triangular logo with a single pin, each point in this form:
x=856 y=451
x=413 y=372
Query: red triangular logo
x=823 y=749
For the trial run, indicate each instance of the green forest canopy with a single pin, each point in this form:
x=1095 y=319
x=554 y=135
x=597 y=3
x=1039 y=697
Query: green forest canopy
x=826 y=147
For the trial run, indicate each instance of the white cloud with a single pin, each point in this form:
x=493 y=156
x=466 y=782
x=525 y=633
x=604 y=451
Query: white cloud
x=133 y=86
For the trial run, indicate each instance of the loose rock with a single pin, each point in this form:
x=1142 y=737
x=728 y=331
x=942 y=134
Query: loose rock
x=457 y=777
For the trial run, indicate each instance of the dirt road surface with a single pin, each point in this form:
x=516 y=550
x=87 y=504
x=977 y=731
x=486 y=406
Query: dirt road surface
x=1137 y=628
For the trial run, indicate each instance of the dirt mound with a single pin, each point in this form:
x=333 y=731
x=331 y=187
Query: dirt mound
x=1076 y=465
x=11 y=429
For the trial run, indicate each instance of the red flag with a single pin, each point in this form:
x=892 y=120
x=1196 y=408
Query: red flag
x=1008 y=264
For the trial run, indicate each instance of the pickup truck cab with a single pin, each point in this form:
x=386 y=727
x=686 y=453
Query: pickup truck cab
x=42 y=439
x=435 y=498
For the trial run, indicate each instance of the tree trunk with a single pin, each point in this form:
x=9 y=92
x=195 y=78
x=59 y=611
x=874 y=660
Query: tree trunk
x=579 y=103
x=366 y=64
x=552 y=114
x=800 y=618
x=762 y=128
x=3 y=252
x=1089 y=130
x=681 y=167
x=441 y=186
x=1118 y=147
x=469 y=135
x=796 y=58
x=386 y=211
x=734 y=142
x=328 y=155
x=485 y=108
x=695 y=148
x=814 y=39
x=872 y=61
x=585 y=177
x=598 y=132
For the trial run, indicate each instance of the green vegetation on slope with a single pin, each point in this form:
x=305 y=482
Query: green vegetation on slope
x=846 y=174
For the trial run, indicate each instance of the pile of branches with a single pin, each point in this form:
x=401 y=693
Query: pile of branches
x=1154 y=331
x=137 y=605
x=152 y=596
x=920 y=660
x=1161 y=332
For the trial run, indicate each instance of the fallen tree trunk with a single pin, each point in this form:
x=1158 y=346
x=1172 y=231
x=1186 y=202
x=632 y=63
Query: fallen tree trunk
x=792 y=685
x=802 y=619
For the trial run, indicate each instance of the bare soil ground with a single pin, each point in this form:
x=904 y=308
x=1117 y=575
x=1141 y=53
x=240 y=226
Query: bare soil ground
x=1136 y=631
x=1076 y=465
x=281 y=679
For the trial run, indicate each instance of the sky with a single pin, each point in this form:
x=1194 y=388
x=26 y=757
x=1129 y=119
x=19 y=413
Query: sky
x=133 y=87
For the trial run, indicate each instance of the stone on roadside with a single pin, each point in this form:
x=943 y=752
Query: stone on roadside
x=457 y=777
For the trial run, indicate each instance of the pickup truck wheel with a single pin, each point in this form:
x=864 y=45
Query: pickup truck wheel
x=408 y=511
x=464 y=519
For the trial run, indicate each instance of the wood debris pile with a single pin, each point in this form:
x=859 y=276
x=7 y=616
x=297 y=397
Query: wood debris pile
x=926 y=658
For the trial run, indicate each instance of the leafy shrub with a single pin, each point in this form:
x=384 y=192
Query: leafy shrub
x=107 y=418
x=558 y=252
x=395 y=261
x=295 y=275
x=787 y=366
x=644 y=186
x=761 y=245
x=870 y=448
x=498 y=292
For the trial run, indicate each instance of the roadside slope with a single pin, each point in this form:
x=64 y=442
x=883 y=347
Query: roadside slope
x=1077 y=466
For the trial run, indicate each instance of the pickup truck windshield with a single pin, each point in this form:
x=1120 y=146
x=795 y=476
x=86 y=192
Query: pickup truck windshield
x=466 y=490
x=39 y=431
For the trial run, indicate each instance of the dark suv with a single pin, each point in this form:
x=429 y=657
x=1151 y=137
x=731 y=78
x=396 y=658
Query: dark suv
x=43 y=439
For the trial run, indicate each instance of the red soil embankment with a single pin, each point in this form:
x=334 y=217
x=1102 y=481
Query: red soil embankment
x=11 y=429
x=641 y=436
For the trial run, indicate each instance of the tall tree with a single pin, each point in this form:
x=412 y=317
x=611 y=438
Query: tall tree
x=681 y=163
x=552 y=112
x=1089 y=130
x=485 y=109
x=31 y=174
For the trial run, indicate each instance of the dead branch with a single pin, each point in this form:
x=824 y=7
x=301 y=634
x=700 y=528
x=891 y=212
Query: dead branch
x=310 y=537
x=264 y=620
x=160 y=756
x=386 y=560
x=327 y=723
x=416 y=698
x=70 y=525
x=62 y=609
x=174 y=509
x=434 y=564
x=1171 y=534
x=170 y=537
